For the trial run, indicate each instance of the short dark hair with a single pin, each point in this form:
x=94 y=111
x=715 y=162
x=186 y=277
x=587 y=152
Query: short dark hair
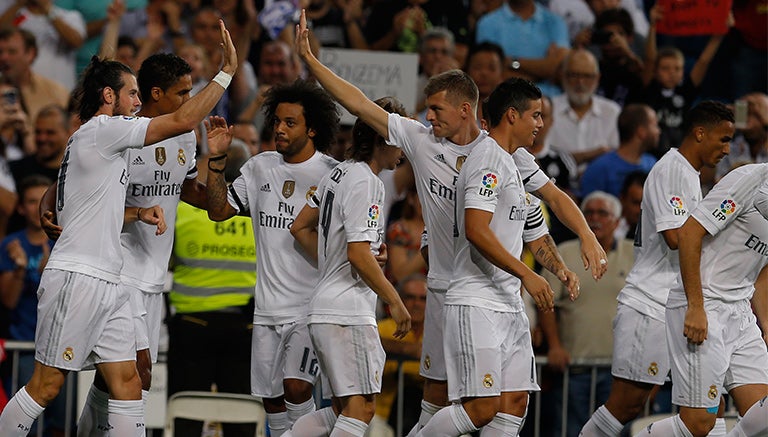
x=484 y=47
x=633 y=178
x=708 y=113
x=320 y=111
x=29 y=39
x=32 y=181
x=459 y=86
x=512 y=93
x=161 y=70
x=618 y=16
x=364 y=138
x=55 y=109
x=98 y=75
x=631 y=118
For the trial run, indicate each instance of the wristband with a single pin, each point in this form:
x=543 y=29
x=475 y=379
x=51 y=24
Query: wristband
x=217 y=158
x=223 y=79
x=215 y=170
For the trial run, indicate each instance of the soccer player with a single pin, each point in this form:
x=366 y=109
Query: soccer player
x=84 y=314
x=272 y=189
x=160 y=174
x=488 y=351
x=437 y=154
x=713 y=337
x=342 y=223
x=672 y=190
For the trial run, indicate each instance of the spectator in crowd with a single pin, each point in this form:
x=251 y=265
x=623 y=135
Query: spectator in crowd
x=631 y=197
x=404 y=240
x=18 y=50
x=59 y=33
x=485 y=65
x=545 y=36
x=51 y=135
x=581 y=329
x=750 y=146
x=15 y=123
x=584 y=123
x=638 y=135
x=246 y=132
x=7 y=192
x=436 y=50
x=667 y=89
x=23 y=256
x=336 y=23
x=580 y=16
x=413 y=292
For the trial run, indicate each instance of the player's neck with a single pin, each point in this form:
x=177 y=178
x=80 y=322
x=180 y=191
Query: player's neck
x=148 y=111
x=688 y=150
x=466 y=136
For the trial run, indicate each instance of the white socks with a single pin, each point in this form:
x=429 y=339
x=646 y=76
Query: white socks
x=719 y=429
x=669 y=427
x=295 y=411
x=503 y=425
x=278 y=423
x=602 y=424
x=427 y=411
x=348 y=427
x=315 y=424
x=19 y=415
x=94 y=420
x=754 y=422
x=448 y=422
x=126 y=418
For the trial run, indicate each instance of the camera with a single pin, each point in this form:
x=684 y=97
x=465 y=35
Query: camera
x=601 y=36
x=10 y=97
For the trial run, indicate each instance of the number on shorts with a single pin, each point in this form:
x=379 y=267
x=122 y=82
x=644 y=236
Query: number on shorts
x=313 y=367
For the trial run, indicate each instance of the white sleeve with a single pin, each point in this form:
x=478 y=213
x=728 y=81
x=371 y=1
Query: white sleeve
x=535 y=225
x=533 y=176
x=362 y=210
x=736 y=193
x=761 y=200
x=669 y=198
x=482 y=188
x=403 y=132
x=116 y=134
x=237 y=195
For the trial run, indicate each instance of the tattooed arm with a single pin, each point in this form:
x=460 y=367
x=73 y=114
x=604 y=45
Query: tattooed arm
x=545 y=252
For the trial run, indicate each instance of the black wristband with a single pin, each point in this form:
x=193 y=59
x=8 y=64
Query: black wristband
x=215 y=170
x=217 y=158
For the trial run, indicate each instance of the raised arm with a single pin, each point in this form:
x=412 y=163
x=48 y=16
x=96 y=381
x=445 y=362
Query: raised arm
x=344 y=92
x=219 y=139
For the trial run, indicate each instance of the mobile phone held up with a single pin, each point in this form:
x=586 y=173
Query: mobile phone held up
x=601 y=36
x=740 y=113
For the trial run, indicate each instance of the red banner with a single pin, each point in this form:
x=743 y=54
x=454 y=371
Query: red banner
x=694 y=17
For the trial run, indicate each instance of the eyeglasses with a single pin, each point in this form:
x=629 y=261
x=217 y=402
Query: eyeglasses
x=573 y=75
x=598 y=212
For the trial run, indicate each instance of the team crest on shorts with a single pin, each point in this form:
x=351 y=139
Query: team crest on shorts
x=68 y=354
x=487 y=380
x=653 y=369
x=376 y=376
x=427 y=362
x=160 y=155
x=181 y=158
x=288 y=187
x=712 y=392
x=459 y=162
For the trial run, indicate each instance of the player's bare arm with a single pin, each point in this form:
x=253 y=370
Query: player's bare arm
x=545 y=252
x=479 y=234
x=219 y=137
x=671 y=237
x=361 y=258
x=304 y=229
x=691 y=234
x=47 y=212
x=152 y=215
x=348 y=95
x=195 y=109
x=592 y=254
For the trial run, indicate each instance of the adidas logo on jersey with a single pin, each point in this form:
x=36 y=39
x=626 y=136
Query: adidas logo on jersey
x=440 y=158
x=265 y=188
x=138 y=161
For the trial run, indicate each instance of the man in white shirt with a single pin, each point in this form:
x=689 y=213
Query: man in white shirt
x=272 y=189
x=84 y=314
x=436 y=154
x=671 y=191
x=715 y=342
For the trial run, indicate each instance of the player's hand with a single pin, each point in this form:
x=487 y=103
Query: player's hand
x=219 y=135
x=154 y=216
x=558 y=358
x=571 y=282
x=383 y=255
x=48 y=223
x=230 y=54
x=593 y=256
x=302 y=46
x=539 y=289
x=401 y=317
x=17 y=254
x=695 y=327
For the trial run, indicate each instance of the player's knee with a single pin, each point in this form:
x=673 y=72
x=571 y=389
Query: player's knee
x=482 y=410
x=699 y=422
x=44 y=389
x=274 y=405
x=297 y=391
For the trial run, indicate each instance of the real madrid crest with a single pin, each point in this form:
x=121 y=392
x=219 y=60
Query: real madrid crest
x=288 y=187
x=311 y=191
x=160 y=155
x=181 y=158
x=653 y=369
x=712 y=392
x=487 y=380
x=68 y=354
x=427 y=362
x=459 y=162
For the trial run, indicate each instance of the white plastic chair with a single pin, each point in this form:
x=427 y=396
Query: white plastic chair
x=215 y=407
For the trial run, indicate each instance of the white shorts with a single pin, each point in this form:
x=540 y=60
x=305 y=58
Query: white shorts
x=147 y=311
x=733 y=354
x=432 y=354
x=639 y=347
x=82 y=320
x=351 y=357
x=280 y=352
x=487 y=352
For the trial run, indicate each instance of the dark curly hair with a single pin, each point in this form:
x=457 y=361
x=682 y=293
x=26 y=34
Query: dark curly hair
x=320 y=111
x=364 y=138
x=98 y=75
x=161 y=70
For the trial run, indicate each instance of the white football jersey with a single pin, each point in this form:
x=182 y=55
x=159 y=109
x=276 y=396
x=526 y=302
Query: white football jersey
x=436 y=163
x=156 y=174
x=350 y=199
x=273 y=192
x=672 y=190
x=736 y=248
x=490 y=182
x=90 y=200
